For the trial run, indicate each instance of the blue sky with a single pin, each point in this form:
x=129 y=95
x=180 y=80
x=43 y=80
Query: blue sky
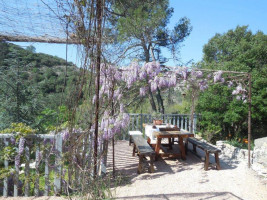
x=208 y=17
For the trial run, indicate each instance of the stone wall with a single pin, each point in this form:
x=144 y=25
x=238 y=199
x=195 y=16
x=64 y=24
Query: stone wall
x=258 y=155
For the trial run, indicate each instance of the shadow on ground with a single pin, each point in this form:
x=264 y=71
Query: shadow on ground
x=126 y=164
x=191 y=196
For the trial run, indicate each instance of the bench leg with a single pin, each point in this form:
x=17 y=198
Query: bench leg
x=130 y=140
x=157 y=148
x=207 y=161
x=140 y=165
x=218 y=167
x=182 y=147
x=194 y=148
x=170 y=143
x=134 y=147
x=151 y=167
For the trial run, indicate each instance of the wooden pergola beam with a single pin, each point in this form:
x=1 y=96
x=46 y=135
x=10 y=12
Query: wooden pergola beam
x=42 y=39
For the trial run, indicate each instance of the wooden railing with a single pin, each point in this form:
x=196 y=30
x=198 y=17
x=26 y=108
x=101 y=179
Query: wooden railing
x=182 y=121
x=57 y=166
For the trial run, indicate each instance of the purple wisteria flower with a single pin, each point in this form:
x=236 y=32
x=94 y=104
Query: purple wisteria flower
x=20 y=151
x=65 y=134
x=143 y=91
x=203 y=84
x=185 y=72
x=12 y=141
x=218 y=76
x=230 y=84
x=142 y=74
x=172 y=81
x=153 y=86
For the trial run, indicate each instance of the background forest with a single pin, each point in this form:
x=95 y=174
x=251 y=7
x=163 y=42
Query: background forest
x=35 y=87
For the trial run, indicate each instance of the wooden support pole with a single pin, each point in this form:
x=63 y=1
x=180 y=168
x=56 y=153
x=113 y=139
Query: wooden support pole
x=249 y=118
x=98 y=63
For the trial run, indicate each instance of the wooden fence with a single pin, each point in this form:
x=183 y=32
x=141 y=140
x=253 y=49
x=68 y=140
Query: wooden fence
x=57 y=167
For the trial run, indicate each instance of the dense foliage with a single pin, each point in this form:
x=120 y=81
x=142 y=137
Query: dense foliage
x=222 y=114
x=32 y=86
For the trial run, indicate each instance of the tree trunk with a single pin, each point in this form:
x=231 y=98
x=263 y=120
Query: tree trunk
x=158 y=95
x=160 y=102
x=98 y=61
x=150 y=95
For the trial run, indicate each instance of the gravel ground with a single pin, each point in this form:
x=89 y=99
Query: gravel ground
x=179 y=179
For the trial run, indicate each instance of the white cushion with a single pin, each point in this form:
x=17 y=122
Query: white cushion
x=135 y=133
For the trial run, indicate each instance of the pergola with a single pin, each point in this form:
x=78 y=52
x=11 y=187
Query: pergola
x=35 y=32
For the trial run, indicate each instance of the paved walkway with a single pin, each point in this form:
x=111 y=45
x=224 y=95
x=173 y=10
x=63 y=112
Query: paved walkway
x=179 y=179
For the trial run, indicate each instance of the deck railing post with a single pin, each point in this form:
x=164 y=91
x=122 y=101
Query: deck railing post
x=16 y=177
x=5 y=192
x=185 y=124
x=37 y=164
x=27 y=170
x=58 y=163
x=47 y=183
x=195 y=124
x=182 y=122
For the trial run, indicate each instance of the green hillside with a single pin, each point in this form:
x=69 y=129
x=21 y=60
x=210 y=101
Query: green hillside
x=32 y=85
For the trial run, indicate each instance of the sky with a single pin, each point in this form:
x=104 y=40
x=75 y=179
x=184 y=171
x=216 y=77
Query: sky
x=207 y=17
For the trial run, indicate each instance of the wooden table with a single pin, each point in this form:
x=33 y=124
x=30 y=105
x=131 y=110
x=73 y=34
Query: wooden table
x=170 y=135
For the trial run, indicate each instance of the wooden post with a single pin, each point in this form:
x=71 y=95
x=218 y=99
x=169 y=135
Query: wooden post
x=182 y=122
x=47 y=183
x=178 y=122
x=97 y=88
x=132 y=120
x=16 y=178
x=37 y=162
x=58 y=163
x=185 y=124
x=5 y=192
x=27 y=170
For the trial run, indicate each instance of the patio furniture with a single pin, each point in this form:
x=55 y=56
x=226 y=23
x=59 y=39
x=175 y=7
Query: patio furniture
x=131 y=133
x=143 y=150
x=208 y=148
x=170 y=135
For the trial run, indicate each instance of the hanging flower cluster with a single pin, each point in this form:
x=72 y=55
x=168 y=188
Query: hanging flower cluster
x=150 y=74
x=20 y=151
x=111 y=125
x=240 y=92
x=65 y=133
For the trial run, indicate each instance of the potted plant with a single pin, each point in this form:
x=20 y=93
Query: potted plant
x=157 y=118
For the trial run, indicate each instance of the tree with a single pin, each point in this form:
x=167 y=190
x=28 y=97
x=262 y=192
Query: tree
x=236 y=50
x=31 y=48
x=19 y=103
x=142 y=25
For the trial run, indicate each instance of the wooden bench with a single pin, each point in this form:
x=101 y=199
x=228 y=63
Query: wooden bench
x=143 y=149
x=208 y=149
x=133 y=133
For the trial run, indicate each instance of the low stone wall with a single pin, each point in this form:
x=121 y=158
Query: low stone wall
x=258 y=155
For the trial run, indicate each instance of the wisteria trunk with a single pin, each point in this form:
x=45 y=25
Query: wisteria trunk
x=98 y=61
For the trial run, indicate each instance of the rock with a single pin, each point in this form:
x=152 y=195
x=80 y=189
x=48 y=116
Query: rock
x=260 y=142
